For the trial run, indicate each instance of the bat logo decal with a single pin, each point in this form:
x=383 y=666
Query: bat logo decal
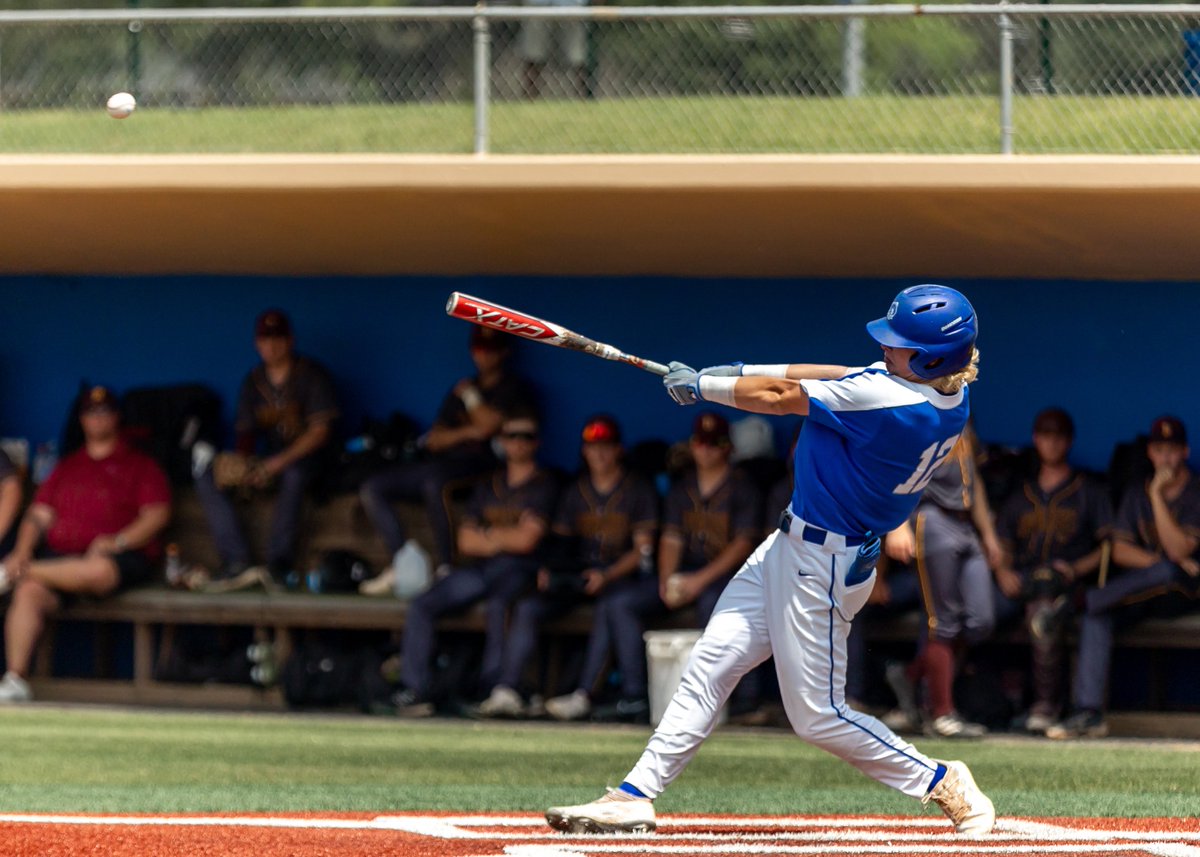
x=491 y=318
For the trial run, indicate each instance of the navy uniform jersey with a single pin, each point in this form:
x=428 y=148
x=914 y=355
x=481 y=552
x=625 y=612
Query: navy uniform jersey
x=509 y=394
x=868 y=448
x=495 y=503
x=708 y=524
x=1067 y=522
x=605 y=523
x=1135 y=518
x=278 y=415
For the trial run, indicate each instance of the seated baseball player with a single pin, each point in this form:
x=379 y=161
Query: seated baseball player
x=603 y=529
x=285 y=412
x=499 y=536
x=1051 y=529
x=711 y=519
x=457 y=447
x=1156 y=539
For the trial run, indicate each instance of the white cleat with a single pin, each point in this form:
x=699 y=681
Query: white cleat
x=616 y=812
x=962 y=801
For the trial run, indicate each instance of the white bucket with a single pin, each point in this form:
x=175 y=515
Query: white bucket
x=666 y=655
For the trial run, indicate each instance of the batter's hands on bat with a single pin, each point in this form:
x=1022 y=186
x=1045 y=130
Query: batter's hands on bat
x=682 y=383
x=725 y=370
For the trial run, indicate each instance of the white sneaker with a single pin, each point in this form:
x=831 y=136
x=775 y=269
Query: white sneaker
x=573 y=706
x=952 y=725
x=502 y=702
x=13 y=688
x=616 y=812
x=962 y=801
x=380 y=584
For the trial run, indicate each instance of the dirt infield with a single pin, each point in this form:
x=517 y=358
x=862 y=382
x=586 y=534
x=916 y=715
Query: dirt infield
x=496 y=835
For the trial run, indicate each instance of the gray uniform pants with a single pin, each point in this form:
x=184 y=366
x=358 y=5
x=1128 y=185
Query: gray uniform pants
x=955 y=580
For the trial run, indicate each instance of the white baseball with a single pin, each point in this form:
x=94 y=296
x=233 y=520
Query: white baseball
x=121 y=105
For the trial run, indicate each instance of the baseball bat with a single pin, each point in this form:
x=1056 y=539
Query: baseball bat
x=488 y=314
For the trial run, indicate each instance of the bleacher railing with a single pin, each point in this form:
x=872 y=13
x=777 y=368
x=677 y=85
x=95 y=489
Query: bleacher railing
x=848 y=78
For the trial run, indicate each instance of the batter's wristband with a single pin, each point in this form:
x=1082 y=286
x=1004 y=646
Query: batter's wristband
x=717 y=389
x=770 y=370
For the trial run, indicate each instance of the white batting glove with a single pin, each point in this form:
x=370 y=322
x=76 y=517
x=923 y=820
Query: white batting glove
x=682 y=383
x=725 y=370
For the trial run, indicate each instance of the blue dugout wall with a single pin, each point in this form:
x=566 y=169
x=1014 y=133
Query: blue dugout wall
x=1114 y=354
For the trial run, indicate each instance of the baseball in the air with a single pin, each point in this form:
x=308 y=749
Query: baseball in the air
x=121 y=105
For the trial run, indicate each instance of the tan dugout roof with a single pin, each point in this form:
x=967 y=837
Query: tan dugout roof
x=836 y=216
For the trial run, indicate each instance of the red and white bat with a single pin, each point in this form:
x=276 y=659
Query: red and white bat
x=487 y=314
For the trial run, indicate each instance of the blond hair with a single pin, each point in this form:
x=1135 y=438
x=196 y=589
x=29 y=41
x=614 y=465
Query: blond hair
x=950 y=384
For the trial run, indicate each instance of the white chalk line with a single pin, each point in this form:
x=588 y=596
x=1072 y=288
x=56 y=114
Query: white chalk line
x=827 y=835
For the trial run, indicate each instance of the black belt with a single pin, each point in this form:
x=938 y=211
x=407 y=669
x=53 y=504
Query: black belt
x=811 y=534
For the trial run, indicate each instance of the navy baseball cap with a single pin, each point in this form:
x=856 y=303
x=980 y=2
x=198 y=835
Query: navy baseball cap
x=1168 y=429
x=1054 y=421
x=488 y=339
x=711 y=429
x=272 y=322
x=99 y=398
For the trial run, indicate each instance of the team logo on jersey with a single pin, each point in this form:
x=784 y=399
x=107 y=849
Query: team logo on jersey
x=892 y=310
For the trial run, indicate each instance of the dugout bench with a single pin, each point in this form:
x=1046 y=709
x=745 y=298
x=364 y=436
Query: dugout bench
x=155 y=613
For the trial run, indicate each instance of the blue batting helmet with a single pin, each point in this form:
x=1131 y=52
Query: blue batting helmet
x=936 y=321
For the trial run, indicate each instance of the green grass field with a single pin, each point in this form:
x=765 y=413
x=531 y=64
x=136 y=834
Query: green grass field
x=104 y=760
x=935 y=125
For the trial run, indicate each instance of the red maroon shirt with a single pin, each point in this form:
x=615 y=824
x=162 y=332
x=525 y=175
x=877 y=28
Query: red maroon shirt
x=98 y=497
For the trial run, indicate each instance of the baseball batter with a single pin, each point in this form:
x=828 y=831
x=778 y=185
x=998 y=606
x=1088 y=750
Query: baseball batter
x=872 y=440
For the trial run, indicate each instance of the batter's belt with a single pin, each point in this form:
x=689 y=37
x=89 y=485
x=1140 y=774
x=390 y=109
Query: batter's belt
x=811 y=534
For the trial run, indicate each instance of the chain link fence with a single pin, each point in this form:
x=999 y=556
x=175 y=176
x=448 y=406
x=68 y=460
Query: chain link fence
x=575 y=79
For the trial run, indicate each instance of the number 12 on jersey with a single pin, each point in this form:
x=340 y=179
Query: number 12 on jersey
x=931 y=460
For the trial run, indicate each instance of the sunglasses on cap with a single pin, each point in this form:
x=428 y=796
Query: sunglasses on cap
x=519 y=435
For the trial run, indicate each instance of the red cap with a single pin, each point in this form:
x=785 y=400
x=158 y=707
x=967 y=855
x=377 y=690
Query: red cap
x=601 y=429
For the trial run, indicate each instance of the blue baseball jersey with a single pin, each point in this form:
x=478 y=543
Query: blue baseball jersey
x=868 y=448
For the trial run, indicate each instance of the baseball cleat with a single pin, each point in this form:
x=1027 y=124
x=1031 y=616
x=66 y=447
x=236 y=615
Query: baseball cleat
x=616 y=812
x=962 y=801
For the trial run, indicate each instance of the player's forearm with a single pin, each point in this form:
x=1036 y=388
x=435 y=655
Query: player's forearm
x=1087 y=563
x=37 y=520
x=1176 y=543
x=624 y=565
x=726 y=562
x=145 y=527
x=1129 y=555
x=757 y=394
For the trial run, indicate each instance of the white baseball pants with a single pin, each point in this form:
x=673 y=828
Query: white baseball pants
x=789 y=599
